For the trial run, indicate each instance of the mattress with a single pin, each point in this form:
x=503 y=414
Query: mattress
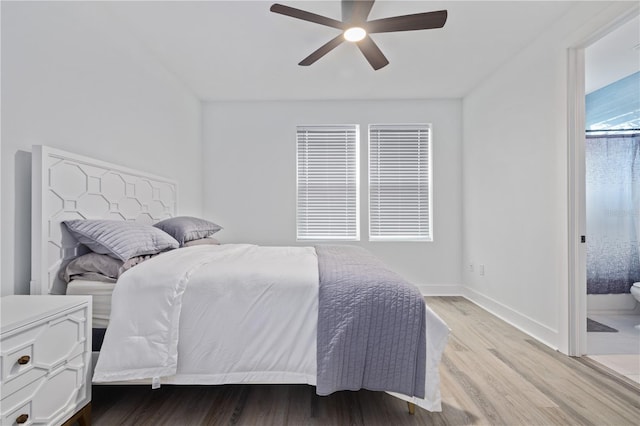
x=101 y=293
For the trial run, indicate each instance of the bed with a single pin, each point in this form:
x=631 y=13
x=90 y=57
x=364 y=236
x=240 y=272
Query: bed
x=220 y=314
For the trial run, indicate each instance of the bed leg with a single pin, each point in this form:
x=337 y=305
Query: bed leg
x=412 y=408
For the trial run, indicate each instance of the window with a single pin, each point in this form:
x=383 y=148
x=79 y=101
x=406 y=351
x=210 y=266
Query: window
x=400 y=182
x=327 y=183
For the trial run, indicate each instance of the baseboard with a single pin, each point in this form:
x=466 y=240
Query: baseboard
x=527 y=325
x=440 y=289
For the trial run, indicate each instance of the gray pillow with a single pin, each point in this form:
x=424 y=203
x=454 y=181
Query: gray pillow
x=100 y=267
x=119 y=239
x=202 y=242
x=187 y=228
x=94 y=266
x=133 y=262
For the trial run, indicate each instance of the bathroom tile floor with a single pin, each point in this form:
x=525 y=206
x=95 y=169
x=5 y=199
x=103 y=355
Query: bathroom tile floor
x=618 y=351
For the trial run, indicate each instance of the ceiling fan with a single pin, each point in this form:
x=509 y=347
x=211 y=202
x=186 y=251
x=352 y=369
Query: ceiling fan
x=356 y=28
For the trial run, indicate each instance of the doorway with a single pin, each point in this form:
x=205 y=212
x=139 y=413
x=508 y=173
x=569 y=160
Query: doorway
x=603 y=213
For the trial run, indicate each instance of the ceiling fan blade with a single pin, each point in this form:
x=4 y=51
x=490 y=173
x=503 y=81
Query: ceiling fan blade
x=306 y=16
x=356 y=11
x=323 y=50
x=372 y=52
x=418 y=21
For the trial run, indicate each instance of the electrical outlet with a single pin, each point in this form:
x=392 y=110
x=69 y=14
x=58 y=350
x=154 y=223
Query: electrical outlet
x=481 y=268
x=471 y=267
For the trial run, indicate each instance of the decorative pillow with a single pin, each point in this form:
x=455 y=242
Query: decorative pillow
x=92 y=266
x=119 y=239
x=187 y=228
x=133 y=262
x=202 y=242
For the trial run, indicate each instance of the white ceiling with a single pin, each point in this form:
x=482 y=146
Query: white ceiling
x=614 y=56
x=239 y=50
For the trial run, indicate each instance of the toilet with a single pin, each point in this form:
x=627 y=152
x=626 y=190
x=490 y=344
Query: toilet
x=635 y=290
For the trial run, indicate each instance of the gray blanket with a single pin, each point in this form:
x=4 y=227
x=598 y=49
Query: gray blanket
x=371 y=325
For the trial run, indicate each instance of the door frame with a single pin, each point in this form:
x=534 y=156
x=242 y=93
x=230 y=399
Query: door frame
x=577 y=253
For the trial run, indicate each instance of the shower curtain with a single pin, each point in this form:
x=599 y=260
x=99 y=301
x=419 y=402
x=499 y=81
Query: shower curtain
x=613 y=212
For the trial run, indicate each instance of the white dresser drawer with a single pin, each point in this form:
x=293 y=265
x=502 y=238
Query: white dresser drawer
x=18 y=415
x=48 y=344
x=45 y=397
x=45 y=357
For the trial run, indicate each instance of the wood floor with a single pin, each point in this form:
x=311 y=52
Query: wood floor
x=491 y=373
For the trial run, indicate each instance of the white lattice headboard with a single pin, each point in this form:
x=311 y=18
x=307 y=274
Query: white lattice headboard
x=69 y=186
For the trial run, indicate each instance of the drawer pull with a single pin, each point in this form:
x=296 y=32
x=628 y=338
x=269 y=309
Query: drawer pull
x=24 y=359
x=22 y=418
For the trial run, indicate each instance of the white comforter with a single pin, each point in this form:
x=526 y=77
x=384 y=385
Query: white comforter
x=226 y=314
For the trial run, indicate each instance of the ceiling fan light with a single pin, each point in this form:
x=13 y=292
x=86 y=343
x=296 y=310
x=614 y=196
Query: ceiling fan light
x=355 y=34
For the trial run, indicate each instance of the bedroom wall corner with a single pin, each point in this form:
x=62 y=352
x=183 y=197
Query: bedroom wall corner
x=515 y=180
x=74 y=78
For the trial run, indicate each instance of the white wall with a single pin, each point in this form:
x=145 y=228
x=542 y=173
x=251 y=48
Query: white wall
x=515 y=180
x=73 y=79
x=250 y=176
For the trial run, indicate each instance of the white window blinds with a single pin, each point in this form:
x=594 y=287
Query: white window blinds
x=327 y=183
x=400 y=182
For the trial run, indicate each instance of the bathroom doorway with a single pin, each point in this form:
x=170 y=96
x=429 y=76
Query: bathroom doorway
x=612 y=199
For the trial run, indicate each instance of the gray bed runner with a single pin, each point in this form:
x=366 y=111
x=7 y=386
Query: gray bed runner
x=371 y=325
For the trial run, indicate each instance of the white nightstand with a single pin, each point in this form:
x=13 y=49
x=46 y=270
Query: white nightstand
x=45 y=360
